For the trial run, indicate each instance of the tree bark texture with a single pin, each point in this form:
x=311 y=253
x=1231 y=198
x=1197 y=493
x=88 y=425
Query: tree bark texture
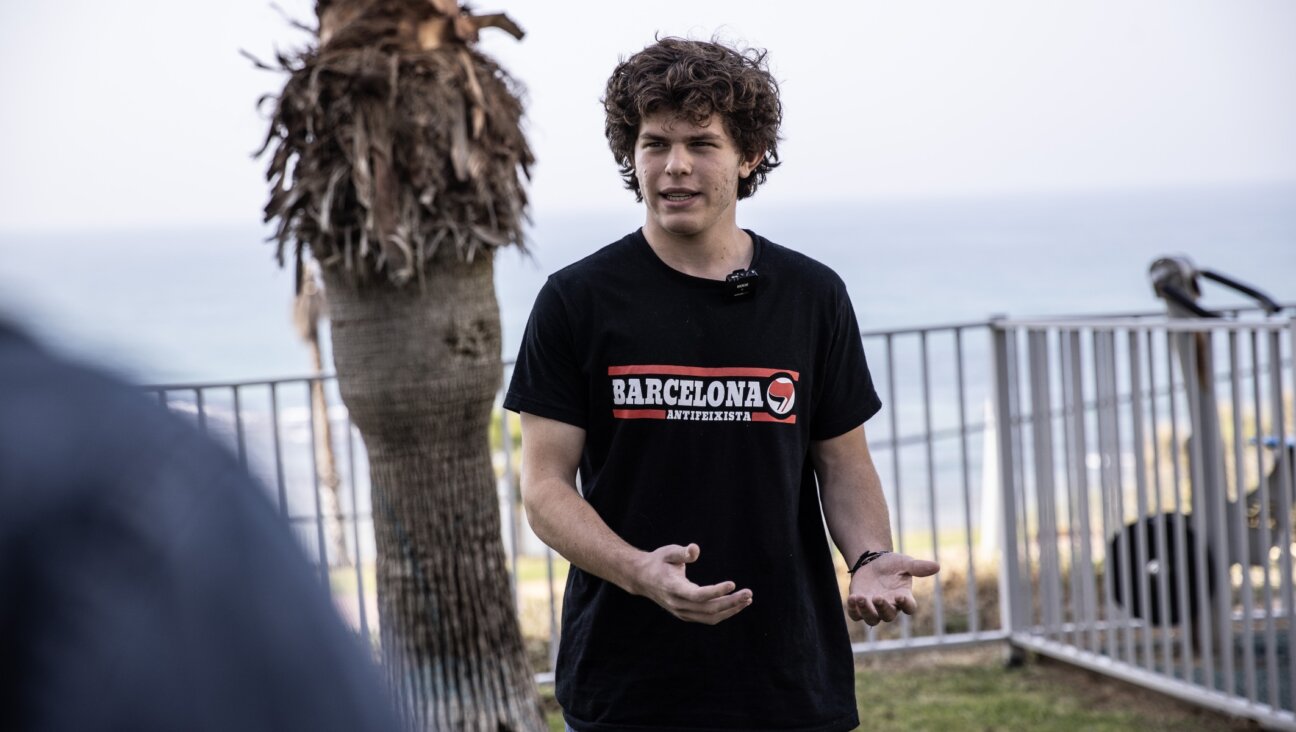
x=396 y=163
x=419 y=369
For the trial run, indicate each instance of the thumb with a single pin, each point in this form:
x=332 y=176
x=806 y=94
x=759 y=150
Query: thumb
x=922 y=567
x=691 y=553
x=676 y=554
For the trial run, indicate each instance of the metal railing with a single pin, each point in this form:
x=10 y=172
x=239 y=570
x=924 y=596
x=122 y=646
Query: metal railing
x=929 y=443
x=1065 y=441
x=1147 y=491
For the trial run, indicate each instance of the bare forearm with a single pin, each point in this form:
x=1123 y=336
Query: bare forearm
x=853 y=503
x=564 y=520
x=856 y=511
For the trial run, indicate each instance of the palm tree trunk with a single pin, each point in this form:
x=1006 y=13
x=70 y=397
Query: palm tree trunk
x=419 y=368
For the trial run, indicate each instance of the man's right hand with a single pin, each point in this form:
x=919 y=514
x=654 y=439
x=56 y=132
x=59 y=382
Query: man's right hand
x=660 y=578
x=551 y=452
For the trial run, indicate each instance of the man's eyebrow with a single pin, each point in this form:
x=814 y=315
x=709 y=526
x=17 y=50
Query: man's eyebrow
x=707 y=136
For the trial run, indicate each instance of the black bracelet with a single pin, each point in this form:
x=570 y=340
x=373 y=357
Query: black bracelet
x=865 y=558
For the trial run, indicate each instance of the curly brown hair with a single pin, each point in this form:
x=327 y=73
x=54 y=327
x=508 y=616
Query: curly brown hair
x=695 y=80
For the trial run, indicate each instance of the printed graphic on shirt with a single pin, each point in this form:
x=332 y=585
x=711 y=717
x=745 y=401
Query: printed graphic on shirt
x=726 y=394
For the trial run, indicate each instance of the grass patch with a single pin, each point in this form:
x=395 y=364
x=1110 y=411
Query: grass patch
x=532 y=569
x=973 y=690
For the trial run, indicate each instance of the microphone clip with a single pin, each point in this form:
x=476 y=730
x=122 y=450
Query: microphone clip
x=742 y=282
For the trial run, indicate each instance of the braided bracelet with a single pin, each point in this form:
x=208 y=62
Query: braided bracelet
x=865 y=558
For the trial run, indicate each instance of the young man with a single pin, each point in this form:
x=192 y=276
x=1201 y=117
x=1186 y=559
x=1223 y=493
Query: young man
x=700 y=410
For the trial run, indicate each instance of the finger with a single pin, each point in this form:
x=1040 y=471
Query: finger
x=727 y=605
x=852 y=610
x=691 y=593
x=676 y=554
x=720 y=617
x=710 y=618
x=886 y=611
x=906 y=604
x=922 y=567
x=691 y=553
x=867 y=610
x=717 y=610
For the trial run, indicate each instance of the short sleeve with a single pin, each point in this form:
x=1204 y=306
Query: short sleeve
x=846 y=398
x=548 y=379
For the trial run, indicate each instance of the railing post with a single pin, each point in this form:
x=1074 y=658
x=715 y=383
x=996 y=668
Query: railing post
x=1050 y=567
x=1010 y=582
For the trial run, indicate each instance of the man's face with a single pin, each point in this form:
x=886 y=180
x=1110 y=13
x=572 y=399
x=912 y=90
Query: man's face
x=688 y=175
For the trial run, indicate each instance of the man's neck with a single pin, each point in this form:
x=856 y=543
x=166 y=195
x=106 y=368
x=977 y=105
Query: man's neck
x=712 y=258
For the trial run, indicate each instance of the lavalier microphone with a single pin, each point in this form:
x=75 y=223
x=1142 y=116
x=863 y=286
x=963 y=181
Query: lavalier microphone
x=742 y=282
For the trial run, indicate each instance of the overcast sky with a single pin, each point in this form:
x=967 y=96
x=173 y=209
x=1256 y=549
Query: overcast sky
x=141 y=113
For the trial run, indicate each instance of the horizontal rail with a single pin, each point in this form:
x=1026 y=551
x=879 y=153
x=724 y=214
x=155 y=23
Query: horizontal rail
x=1185 y=325
x=948 y=327
x=1182 y=690
x=930 y=642
x=276 y=381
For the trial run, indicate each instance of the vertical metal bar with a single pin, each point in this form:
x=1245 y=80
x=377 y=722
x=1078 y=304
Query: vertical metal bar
x=897 y=494
x=1009 y=571
x=202 y=410
x=554 y=628
x=1200 y=505
x=974 y=623
x=510 y=504
x=938 y=599
x=1084 y=501
x=1240 y=544
x=1140 y=495
x=1162 y=589
x=1076 y=636
x=1118 y=497
x=1026 y=590
x=239 y=439
x=278 y=450
x=315 y=485
x=162 y=397
x=1283 y=465
x=1219 y=543
x=1180 y=521
x=1104 y=398
x=1045 y=490
x=355 y=528
x=1266 y=534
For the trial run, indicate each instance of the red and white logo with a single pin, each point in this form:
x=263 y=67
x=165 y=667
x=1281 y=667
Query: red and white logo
x=781 y=395
x=703 y=394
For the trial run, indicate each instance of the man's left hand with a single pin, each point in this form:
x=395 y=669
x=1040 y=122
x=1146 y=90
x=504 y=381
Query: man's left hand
x=883 y=588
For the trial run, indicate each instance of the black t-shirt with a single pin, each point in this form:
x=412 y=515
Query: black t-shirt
x=698 y=410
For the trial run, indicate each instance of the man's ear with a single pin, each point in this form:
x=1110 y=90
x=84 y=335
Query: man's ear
x=746 y=167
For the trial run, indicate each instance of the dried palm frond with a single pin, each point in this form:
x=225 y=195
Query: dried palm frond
x=394 y=139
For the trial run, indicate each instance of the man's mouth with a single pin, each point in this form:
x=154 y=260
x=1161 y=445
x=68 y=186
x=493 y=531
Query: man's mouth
x=678 y=196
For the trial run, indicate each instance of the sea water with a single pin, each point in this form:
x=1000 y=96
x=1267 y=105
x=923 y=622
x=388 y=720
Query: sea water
x=212 y=305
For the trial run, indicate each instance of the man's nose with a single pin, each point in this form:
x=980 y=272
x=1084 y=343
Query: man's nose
x=678 y=161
